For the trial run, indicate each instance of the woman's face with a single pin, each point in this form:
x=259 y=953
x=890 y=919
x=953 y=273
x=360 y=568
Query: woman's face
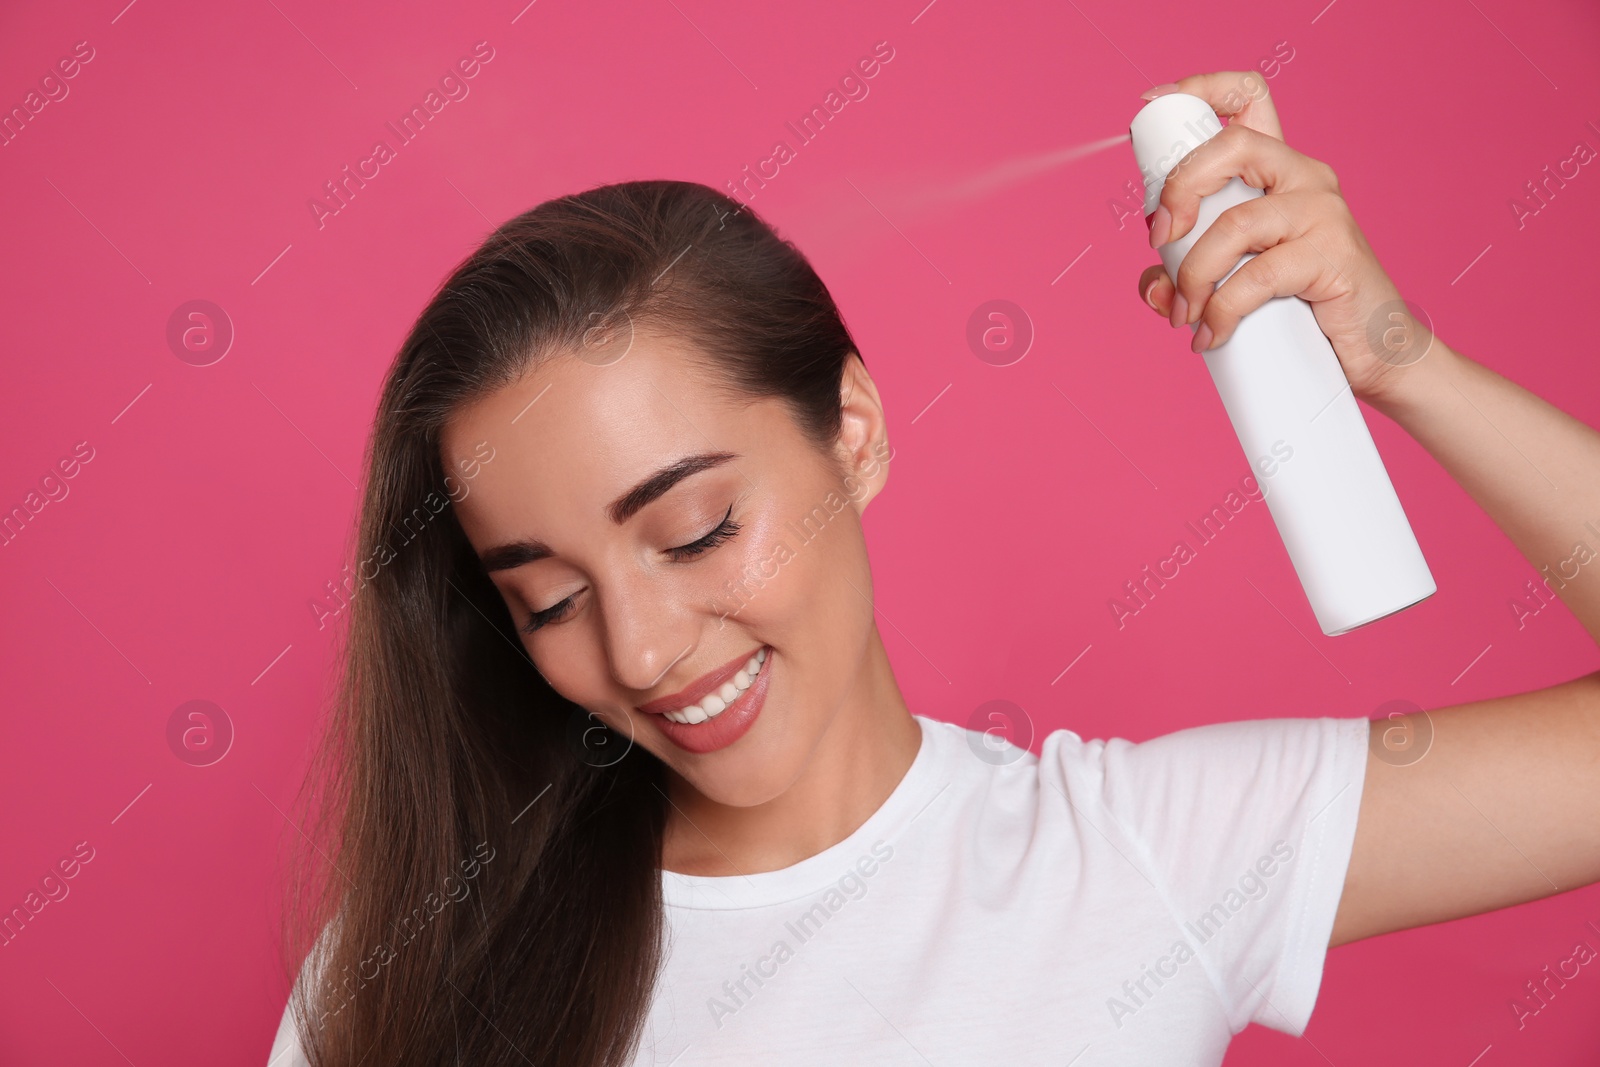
x=648 y=529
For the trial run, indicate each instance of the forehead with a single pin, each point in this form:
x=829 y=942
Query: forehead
x=569 y=436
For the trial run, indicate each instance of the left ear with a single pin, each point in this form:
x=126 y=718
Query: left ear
x=863 y=445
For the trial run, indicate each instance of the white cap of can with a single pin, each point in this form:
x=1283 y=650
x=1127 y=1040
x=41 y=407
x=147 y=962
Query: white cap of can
x=1164 y=131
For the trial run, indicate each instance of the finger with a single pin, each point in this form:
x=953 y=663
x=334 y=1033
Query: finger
x=1155 y=289
x=1253 y=226
x=1241 y=95
x=1294 y=268
x=1260 y=161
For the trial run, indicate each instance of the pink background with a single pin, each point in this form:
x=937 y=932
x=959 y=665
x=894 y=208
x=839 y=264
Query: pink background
x=183 y=561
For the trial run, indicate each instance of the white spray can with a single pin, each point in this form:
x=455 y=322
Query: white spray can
x=1280 y=381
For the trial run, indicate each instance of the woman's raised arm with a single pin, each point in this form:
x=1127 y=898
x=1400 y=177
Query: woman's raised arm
x=1505 y=805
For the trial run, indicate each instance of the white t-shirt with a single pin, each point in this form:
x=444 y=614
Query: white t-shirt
x=1103 y=903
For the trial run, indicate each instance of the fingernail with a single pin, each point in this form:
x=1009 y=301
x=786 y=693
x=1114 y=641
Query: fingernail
x=1159 y=90
x=1160 y=226
x=1146 y=294
x=1202 y=338
x=1180 y=309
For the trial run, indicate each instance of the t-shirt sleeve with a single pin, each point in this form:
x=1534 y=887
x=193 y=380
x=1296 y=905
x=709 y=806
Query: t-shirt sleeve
x=1246 y=828
x=287 y=1050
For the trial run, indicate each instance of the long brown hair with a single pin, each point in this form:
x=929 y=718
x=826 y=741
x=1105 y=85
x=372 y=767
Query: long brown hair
x=479 y=874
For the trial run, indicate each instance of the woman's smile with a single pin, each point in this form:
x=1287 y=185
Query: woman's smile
x=719 y=708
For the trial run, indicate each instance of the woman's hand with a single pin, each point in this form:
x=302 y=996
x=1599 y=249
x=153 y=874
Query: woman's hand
x=1431 y=841
x=1309 y=245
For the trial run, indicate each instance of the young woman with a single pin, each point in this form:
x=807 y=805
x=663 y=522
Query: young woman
x=620 y=773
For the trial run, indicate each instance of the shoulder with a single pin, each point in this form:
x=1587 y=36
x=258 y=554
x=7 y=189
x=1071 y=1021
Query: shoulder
x=287 y=1047
x=1174 y=777
x=988 y=743
x=1235 y=744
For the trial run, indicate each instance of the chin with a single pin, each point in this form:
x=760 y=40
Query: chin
x=760 y=767
x=749 y=785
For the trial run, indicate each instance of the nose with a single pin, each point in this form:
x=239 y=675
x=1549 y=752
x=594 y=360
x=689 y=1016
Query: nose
x=645 y=632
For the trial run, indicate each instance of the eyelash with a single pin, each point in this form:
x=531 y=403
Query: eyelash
x=724 y=530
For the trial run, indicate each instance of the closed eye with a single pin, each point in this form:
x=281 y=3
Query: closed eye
x=724 y=530
x=553 y=613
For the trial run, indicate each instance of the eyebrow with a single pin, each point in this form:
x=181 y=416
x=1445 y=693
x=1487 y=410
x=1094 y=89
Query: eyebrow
x=514 y=554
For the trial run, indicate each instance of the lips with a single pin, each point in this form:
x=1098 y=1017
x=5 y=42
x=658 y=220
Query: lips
x=693 y=730
x=700 y=688
x=732 y=723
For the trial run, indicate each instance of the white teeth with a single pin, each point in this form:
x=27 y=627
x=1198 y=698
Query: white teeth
x=716 y=703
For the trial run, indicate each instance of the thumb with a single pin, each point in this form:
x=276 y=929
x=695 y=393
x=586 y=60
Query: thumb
x=1156 y=289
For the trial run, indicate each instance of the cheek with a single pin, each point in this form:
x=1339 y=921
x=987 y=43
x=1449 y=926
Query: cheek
x=571 y=658
x=762 y=578
x=792 y=580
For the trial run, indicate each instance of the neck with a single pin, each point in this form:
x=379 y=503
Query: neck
x=860 y=758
